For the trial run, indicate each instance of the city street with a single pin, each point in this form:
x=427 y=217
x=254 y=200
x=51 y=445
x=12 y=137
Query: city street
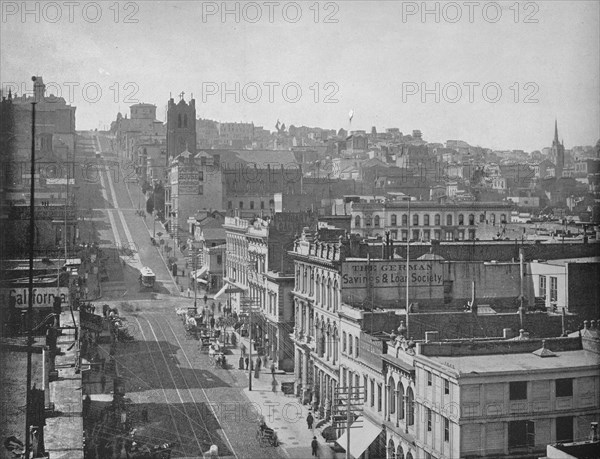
x=190 y=402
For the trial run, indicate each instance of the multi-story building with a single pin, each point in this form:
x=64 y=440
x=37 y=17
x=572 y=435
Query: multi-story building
x=259 y=268
x=473 y=399
x=317 y=299
x=428 y=220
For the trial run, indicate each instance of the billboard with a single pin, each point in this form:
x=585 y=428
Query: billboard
x=42 y=297
x=390 y=274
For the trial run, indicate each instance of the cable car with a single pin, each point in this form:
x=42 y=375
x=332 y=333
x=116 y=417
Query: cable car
x=147 y=278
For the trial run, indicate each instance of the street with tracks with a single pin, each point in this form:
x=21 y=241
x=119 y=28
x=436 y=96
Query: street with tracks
x=189 y=402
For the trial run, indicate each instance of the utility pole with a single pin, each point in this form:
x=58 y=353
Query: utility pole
x=407 y=267
x=342 y=414
x=30 y=295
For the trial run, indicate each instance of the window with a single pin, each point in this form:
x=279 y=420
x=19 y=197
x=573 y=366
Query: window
x=378 y=397
x=251 y=204
x=404 y=235
x=461 y=235
x=449 y=220
x=449 y=236
x=357 y=221
x=350 y=344
x=446 y=429
x=518 y=390
x=426 y=235
x=367 y=221
x=241 y=204
x=564 y=429
x=472 y=234
x=262 y=204
x=543 y=286
x=365 y=380
x=446 y=387
x=344 y=342
x=394 y=234
x=429 y=419
x=404 y=220
x=201 y=175
x=564 y=387
x=521 y=434
x=200 y=189
x=481 y=218
x=429 y=378
x=471 y=219
x=437 y=235
x=229 y=205
x=415 y=235
x=219 y=259
x=425 y=220
x=344 y=384
x=394 y=220
x=415 y=220
x=356 y=345
x=553 y=288
x=461 y=219
x=372 y=393
x=437 y=220
x=377 y=219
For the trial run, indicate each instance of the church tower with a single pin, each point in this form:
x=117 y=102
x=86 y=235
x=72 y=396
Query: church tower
x=181 y=127
x=558 y=152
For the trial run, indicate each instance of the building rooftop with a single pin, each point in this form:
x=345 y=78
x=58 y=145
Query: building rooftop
x=523 y=362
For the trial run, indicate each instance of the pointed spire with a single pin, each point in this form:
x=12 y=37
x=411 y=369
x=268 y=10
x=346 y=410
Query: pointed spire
x=555 y=130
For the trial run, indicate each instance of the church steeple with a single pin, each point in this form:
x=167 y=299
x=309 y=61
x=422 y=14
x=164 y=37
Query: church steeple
x=555 y=131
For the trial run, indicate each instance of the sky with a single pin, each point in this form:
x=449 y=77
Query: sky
x=494 y=74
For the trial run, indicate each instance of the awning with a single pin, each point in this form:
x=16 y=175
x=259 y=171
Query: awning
x=199 y=272
x=362 y=433
x=228 y=289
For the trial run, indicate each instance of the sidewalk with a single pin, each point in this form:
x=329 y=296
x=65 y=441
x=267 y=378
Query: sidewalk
x=283 y=413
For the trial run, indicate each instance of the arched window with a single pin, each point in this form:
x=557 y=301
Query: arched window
x=304 y=279
x=399 y=452
x=404 y=220
x=318 y=298
x=449 y=220
x=335 y=296
x=391 y=395
x=350 y=341
x=357 y=221
x=391 y=450
x=400 y=389
x=416 y=220
x=471 y=220
x=336 y=342
x=377 y=219
x=344 y=342
x=329 y=300
x=461 y=219
x=437 y=220
x=426 y=220
x=409 y=455
x=312 y=282
x=502 y=218
x=323 y=292
x=394 y=221
x=410 y=406
x=185 y=120
x=179 y=120
x=481 y=218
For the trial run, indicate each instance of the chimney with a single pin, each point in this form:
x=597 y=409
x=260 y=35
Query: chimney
x=431 y=336
x=507 y=333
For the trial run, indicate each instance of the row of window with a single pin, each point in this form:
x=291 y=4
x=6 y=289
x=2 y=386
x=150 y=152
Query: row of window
x=427 y=235
x=446 y=382
x=352 y=351
x=241 y=204
x=521 y=434
x=562 y=387
x=416 y=220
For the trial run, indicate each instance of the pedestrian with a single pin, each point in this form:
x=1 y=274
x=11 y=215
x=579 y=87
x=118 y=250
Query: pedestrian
x=103 y=382
x=273 y=369
x=212 y=322
x=274 y=385
x=189 y=292
x=310 y=420
x=241 y=363
x=315 y=446
x=247 y=360
x=258 y=363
